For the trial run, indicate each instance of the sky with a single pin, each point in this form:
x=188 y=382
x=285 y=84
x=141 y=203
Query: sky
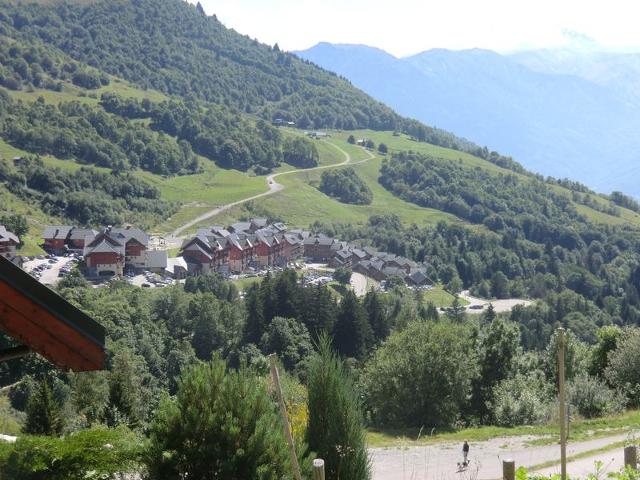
x=405 y=27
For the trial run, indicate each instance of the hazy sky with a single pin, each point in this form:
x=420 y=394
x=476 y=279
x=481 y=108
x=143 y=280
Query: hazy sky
x=403 y=27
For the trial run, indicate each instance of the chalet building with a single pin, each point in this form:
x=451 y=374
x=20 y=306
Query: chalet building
x=79 y=237
x=8 y=246
x=270 y=250
x=56 y=238
x=135 y=243
x=104 y=256
x=256 y=243
x=318 y=248
x=241 y=252
x=204 y=255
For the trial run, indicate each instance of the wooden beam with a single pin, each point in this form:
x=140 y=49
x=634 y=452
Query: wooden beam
x=47 y=335
x=15 y=352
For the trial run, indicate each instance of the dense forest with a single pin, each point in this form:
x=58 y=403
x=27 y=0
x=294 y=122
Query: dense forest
x=345 y=185
x=473 y=370
x=86 y=196
x=175 y=48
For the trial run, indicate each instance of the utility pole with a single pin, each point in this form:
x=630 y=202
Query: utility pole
x=563 y=411
x=285 y=419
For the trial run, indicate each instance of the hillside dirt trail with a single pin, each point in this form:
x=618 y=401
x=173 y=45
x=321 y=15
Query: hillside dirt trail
x=274 y=187
x=438 y=461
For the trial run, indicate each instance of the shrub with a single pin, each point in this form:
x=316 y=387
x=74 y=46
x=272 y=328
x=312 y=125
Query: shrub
x=593 y=398
x=422 y=375
x=623 y=371
x=89 y=454
x=521 y=400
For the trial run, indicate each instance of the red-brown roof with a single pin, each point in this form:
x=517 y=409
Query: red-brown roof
x=40 y=319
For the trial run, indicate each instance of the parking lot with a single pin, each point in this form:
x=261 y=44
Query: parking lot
x=48 y=269
x=149 y=280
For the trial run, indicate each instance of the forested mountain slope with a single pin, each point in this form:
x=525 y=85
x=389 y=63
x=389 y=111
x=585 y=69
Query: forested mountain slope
x=577 y=121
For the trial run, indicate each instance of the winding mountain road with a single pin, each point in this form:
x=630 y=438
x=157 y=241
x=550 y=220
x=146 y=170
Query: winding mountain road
x=274 y=187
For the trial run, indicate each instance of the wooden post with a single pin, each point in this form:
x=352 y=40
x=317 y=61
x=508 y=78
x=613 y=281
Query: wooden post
x=508 y=470
x=285 y=419
x=318 y=469
x=631 y=456
x=563 y=410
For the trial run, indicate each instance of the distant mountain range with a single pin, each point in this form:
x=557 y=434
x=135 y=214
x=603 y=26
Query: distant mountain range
x=565 y=113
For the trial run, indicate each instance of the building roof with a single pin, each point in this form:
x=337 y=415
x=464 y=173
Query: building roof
x=82 y=234
x=240 y=227
x=419 y=277
x=103 y=246
x=57 y=232
x=7 y=236
x=156 y=259
x=127 y=233
x=174 y=263
x=47 y=324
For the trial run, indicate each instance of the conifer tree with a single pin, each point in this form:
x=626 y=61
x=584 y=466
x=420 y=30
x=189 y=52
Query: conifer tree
x=44 y=416
x=335 y=430
x=352 y=333
x=222 y=424
x=255 y=324
x=377 y=318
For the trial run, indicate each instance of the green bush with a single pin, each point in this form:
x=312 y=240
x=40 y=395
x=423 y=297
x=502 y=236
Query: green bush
x=422 y=375
x=593 y=398
x=521 y=400
x=98 y=453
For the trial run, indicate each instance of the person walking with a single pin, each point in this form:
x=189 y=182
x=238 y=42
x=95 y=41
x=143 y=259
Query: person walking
x=465 y=453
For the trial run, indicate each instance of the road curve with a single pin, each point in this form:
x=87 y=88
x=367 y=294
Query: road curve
x=274 y=187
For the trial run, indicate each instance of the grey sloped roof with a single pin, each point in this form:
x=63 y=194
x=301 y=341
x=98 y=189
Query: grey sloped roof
x=6 y=235
x=240 y=227
x=156 y=259
x=419 y=277
x=104 y=246
x=82 y=233
x=128 y=233
x=57 y=231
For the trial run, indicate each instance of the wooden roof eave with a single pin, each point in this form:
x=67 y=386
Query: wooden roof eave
x=40 y=319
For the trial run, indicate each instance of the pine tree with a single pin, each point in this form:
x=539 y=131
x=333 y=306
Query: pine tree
x=377 y=318
x=335 y=428
x=44 y=416
x=222 y=424
x=352 y=333
x=490 y=314
x=255 y=324
x=457 y=310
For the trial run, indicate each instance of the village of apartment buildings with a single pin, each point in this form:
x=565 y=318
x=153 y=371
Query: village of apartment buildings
x=242 y=248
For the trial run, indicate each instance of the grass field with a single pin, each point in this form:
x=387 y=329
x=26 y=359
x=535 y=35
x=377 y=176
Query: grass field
x=548 y=434
x=440 y=298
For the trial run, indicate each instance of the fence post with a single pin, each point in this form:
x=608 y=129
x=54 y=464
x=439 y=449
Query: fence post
x=318 y=469
x=631 y=456
x=508 y=470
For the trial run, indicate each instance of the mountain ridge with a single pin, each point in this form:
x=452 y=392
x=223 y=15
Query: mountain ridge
x=558 y=124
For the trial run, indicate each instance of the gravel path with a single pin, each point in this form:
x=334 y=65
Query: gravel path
x=438 y=462
x=273 y=188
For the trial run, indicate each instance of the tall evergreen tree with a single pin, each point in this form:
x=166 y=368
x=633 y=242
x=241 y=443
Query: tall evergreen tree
x=377 y=318
x=44 y=415
x=352 y=333
x=255 y=325
x=335 y=429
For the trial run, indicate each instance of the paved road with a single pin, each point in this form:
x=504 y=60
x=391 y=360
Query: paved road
x=612 y=461
x=504 y=305
x=273 y=188
x=438 y=462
